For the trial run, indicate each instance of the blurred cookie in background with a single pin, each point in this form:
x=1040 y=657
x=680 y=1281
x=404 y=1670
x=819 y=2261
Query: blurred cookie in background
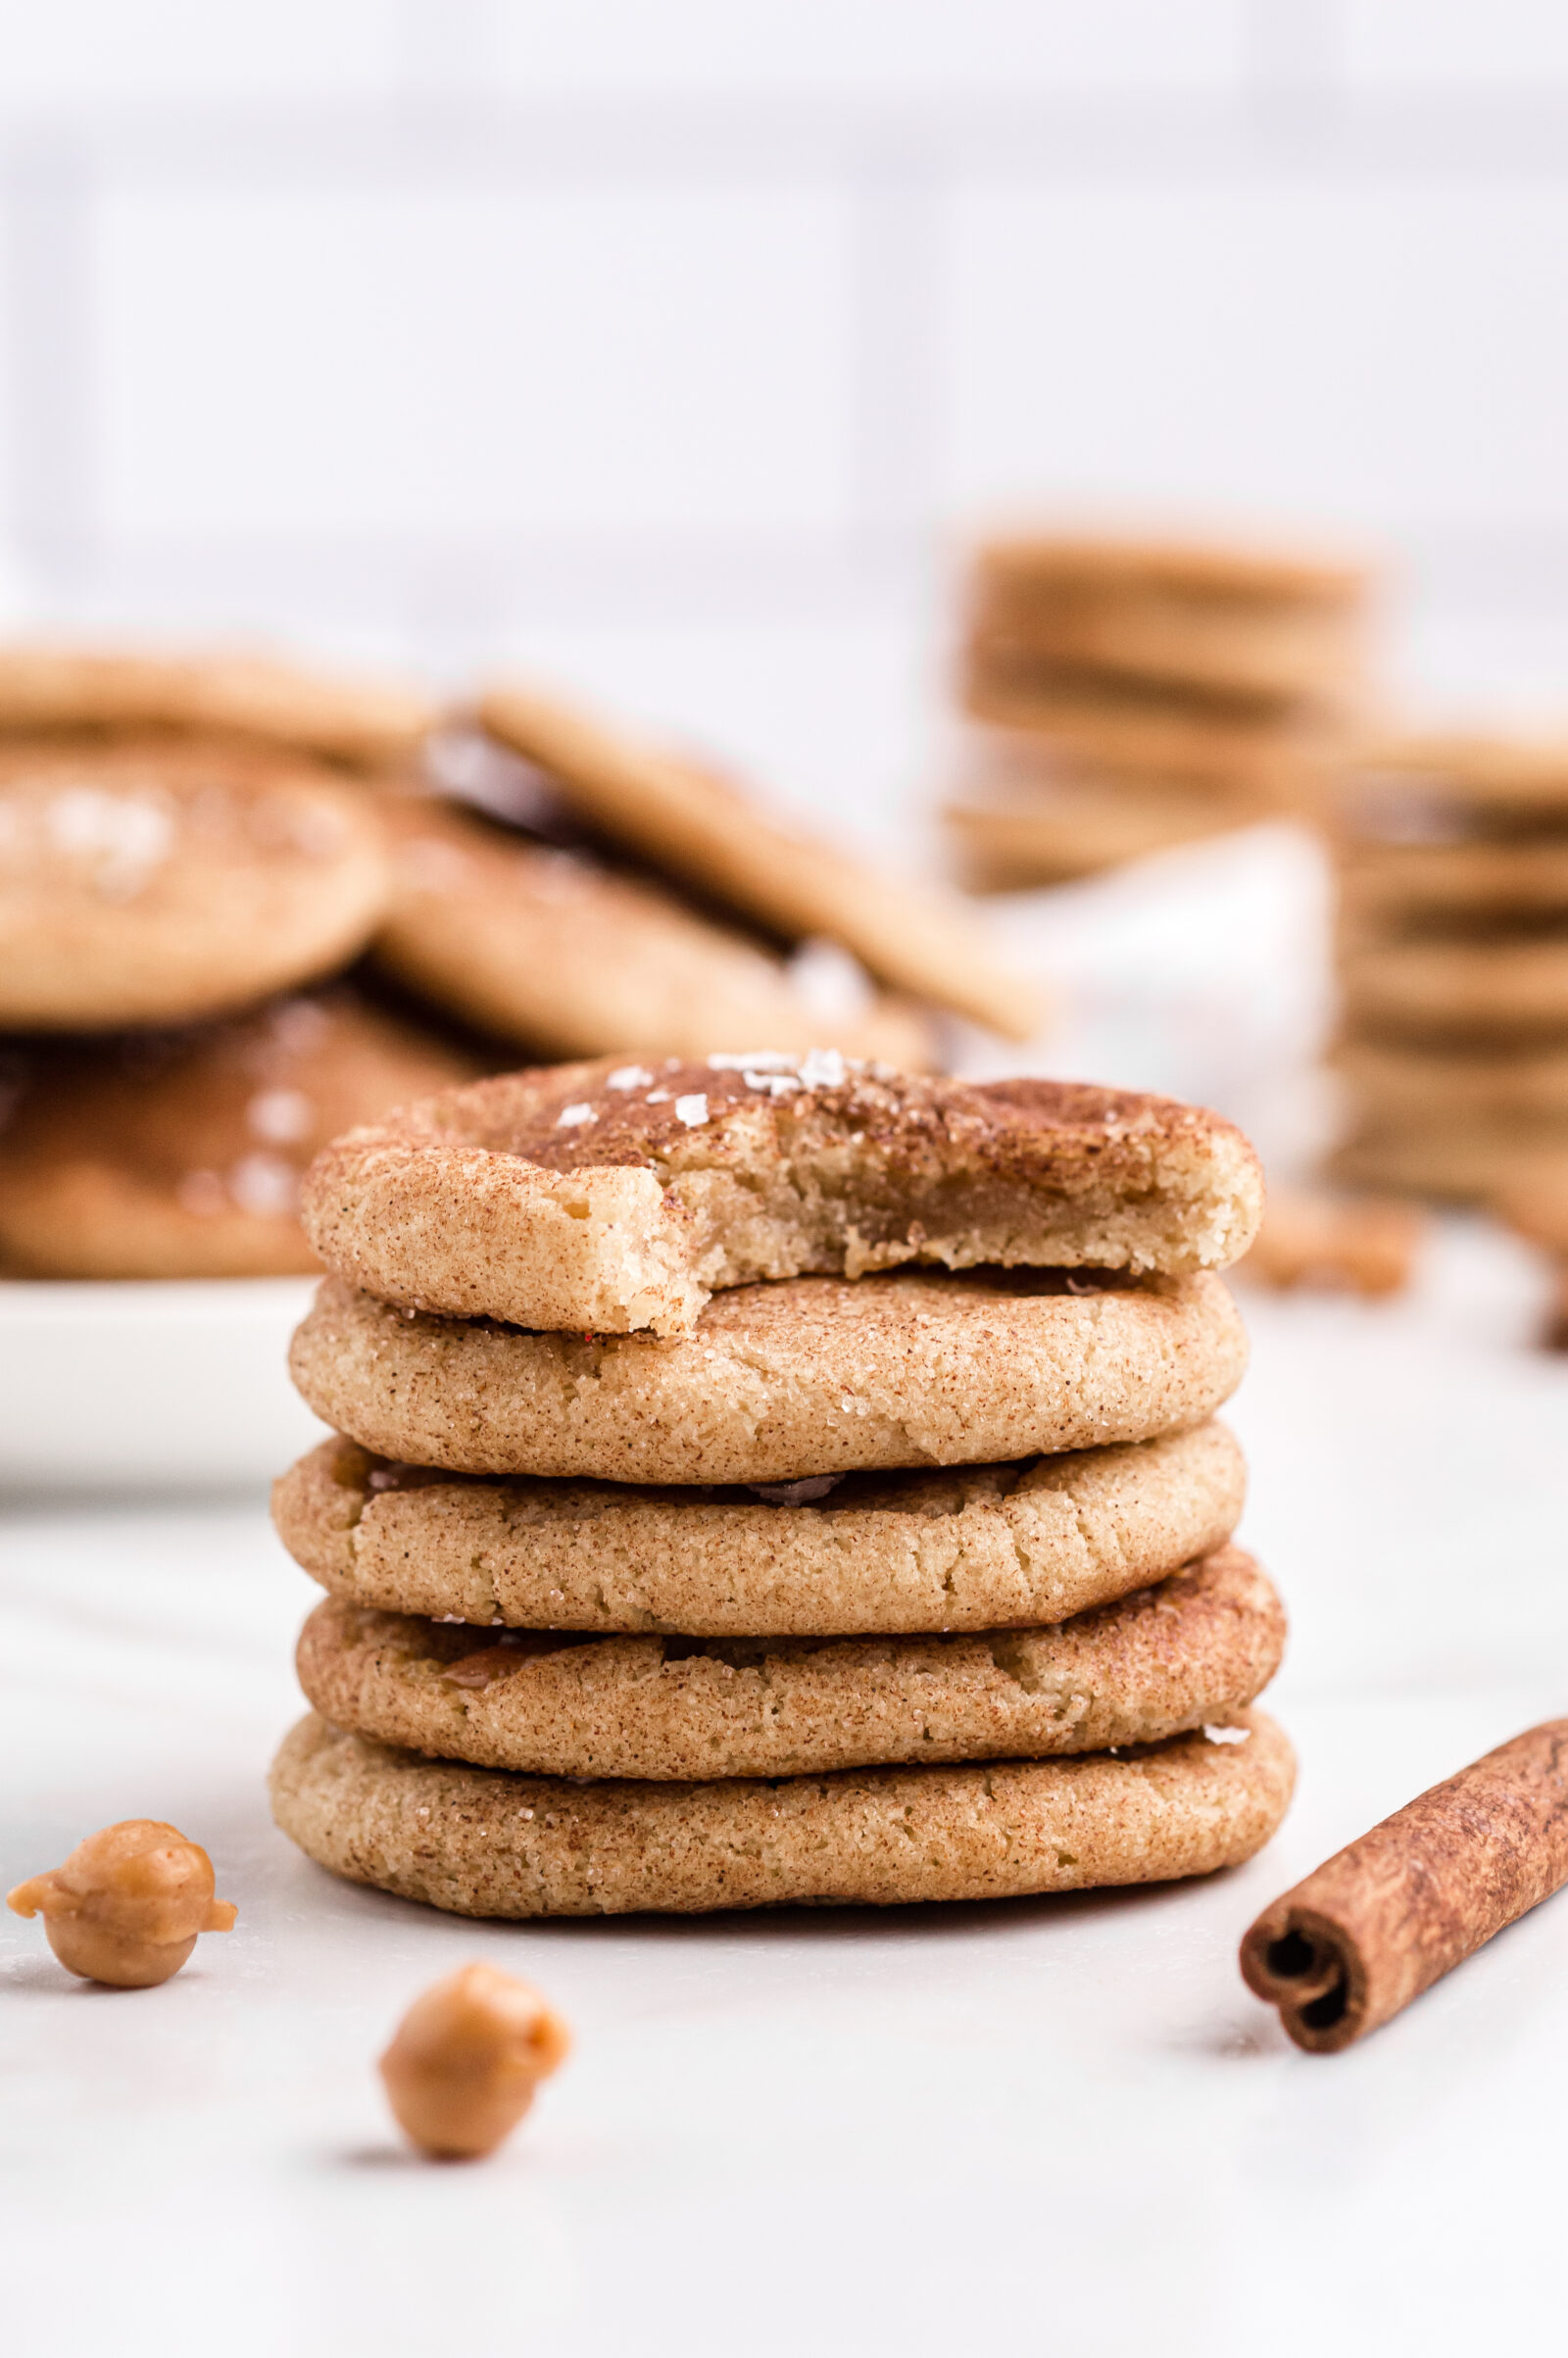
x=1534 y=1205
x=550 y=950
x=1477 y=1083
x=1104 y=729
x=1444 y=1159
x=1426 y=788
x=162 y=1154
x=362 y=723
x=1126 y=696
x=1335 y=1244
x=712 y=839
x=1452 y=861
x=160 y=883
x=1021 y=818
x=1485 y=984
x=1242 y=625
x=1389 y=885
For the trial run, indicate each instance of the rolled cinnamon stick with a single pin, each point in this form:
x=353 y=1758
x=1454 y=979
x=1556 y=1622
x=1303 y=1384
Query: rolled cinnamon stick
x=1394 y=1912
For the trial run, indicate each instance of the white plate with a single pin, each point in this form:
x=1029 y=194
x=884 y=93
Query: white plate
x=149 y=1386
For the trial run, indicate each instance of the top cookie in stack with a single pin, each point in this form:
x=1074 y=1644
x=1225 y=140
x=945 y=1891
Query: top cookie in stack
x=1452 y=857
x=1135 y=695
x=749 y=1400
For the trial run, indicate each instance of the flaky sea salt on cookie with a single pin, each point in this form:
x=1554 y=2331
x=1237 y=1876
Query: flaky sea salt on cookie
x=616 y=1195
x=160 y=883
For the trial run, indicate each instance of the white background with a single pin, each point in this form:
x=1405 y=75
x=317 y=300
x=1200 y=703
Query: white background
x=671 y=346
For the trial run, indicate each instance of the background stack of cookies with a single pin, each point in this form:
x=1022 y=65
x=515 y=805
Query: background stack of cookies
x=243 y=907
x=1127 y=697
x=1452 y=861
x=689 y=1547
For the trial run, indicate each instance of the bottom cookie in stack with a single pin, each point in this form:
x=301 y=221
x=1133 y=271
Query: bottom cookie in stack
x=553 y=1697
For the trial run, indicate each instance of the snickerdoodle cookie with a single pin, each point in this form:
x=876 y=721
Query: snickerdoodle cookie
x=1196 y=1648
x=814 y=1375
x=548 y=948
x=1483 y=1082
x=695 y=825
x=1229 y=622
x=1494 y=987
x=618 y=1196
x=180 y=1154
x=493 y=1843
x=979 y=1548
x=220 y=692
x=147 y=884
x=1387 y=886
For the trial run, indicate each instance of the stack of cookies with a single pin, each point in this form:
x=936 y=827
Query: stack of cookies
x=1453 y=860
x=1131 y=696
x=772 y=1479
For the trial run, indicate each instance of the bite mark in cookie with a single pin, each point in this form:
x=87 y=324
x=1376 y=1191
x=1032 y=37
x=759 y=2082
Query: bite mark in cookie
x=614 y=1196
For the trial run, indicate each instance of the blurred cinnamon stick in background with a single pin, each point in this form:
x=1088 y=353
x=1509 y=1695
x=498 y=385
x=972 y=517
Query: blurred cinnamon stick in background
x=1387 y=1916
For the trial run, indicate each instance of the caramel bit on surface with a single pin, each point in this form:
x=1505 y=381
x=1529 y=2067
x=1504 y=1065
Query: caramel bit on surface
x=127 y=1905
x=467 y=2059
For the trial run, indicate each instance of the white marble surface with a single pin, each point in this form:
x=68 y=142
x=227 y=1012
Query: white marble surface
x=1048 y=2124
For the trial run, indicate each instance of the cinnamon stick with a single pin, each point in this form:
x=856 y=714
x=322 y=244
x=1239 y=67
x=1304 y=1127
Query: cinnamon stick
x=1390 y=1915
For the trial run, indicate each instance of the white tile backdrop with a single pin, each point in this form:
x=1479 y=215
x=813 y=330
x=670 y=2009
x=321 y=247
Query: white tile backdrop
x=672 y=344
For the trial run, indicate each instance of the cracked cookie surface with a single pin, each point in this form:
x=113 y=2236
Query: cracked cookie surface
x=1195 y=1649
x=970 y=1549
x=492 y=1843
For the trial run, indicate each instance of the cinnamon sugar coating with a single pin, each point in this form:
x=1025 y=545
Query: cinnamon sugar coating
x=491 y=1842
x=1196 y=1647
x=811 y=1376
x=621 y=1195
x=974 y=1548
